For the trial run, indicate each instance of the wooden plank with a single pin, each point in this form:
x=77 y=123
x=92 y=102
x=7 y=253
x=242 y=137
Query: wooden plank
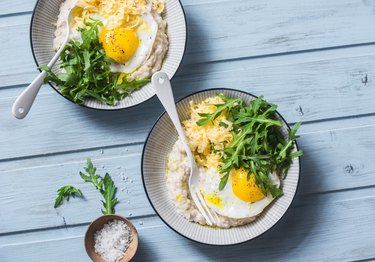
x=224 y=30
x=34 y=184
x=15 y=7
x=318 y=227
x=17 y=67
x=306 y=89
x=29 y=185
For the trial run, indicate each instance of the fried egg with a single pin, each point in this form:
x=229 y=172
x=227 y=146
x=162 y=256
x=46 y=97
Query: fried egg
x=240 y=198
x=128 y=30
x=129 y=46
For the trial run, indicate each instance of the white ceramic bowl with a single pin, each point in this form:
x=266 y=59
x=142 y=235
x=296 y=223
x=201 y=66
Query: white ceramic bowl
x=42 y=34
x=157 y=147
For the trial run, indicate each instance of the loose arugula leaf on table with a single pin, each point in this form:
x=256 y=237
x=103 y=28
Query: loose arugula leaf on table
x=92 y=177
x=257 y=144
x=66 y=192
x=105 y=186
x=85 y=71
x=109 y=192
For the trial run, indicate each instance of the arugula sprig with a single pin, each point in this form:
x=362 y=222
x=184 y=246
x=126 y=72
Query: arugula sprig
x=258 y=144
x=207 y=118
x=65 y=192
x=92 y=177
x=105 y=186
x=109 y=192
x=285 y=155
x=85 y=71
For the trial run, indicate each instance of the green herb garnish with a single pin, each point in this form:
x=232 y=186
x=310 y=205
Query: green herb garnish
x=85 y=71
x=258 y=144
x=109 y=192
x=229 y=104
x=222 y=124
x=104 y=185
x=66 y=192
x=92 y=177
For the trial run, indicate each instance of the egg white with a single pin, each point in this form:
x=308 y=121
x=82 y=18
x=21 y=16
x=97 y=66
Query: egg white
x=146 y=33
x=231 y=206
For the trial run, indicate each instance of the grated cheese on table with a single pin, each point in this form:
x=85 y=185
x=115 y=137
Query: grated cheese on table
x=113 y=240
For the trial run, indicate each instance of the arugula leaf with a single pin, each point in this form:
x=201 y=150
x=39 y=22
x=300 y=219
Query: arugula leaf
x=285 y=155
x=93 y=178
x=85 y=71
x=223 y=181
x=229 y=103
x=257 y=144
x=108 y=192
x=66 y=192
x=222 y=124
x=105 y=186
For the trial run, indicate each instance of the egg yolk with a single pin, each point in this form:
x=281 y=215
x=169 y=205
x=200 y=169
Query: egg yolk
x=214 y=200
x=119 y=44
x=246 y=190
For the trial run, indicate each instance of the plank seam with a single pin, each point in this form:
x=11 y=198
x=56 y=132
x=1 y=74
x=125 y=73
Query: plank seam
x=312 y=50
x=15 y=14
x=364 y=260
x=71 y=162
x=70 y=151
x=336 y=118
x=66 y=226
x=333 y=191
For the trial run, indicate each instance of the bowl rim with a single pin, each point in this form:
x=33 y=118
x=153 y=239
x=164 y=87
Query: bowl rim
x=144 y=184
x=94 y=108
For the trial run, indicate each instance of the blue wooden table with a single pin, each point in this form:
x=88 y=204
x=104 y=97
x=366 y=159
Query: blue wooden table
x=315 y=59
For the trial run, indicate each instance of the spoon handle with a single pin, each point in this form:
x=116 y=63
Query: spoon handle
x=25 y=100
x=163 y=90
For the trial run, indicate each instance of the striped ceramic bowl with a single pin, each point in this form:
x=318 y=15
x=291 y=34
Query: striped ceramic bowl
x=157 y=147
x=42 y=34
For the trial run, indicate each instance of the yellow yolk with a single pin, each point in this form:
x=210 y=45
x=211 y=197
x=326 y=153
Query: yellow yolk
x=214 y=200
x=178 y=197
x=119 y=44
x=120 y=80
x=246 y=190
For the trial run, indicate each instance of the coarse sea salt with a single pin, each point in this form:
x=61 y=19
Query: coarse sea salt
x=113 y=240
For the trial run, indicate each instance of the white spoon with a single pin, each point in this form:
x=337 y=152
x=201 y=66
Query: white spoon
x=26 y=99
x=163 y=90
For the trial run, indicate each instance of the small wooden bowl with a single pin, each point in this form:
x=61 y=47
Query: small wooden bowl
x=97 y=225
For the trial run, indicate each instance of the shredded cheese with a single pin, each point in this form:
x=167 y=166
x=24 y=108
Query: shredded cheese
x=205 y=140
x=116 y=13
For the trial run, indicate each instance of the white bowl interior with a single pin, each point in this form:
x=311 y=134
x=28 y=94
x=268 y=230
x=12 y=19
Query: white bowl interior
x=42 y=35
x=158 y=145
